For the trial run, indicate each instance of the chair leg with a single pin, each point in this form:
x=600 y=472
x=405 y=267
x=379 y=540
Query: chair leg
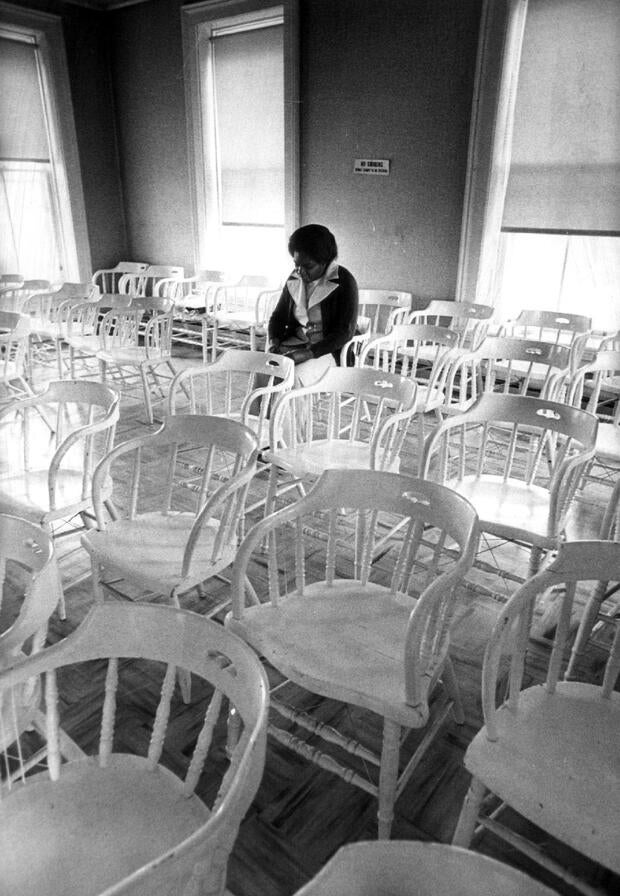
x=466 y=825
x=147 y=395
x=587 y=623
x=388 y=777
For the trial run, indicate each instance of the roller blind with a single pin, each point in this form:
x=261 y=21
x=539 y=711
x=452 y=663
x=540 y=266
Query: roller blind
x=22 y=119
x=565 y=160
x=249 y=108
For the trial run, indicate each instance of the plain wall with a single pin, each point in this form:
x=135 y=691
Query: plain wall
x=391 y=80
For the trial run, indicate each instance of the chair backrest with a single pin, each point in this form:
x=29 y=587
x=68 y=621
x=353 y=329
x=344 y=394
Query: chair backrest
x=419 y=351
x=13 y=297
x=64 y=430
x=10 y=280
x=107 y=279
x=516 y=437
x=204 y=464
x=145 y=322
x=349 y=404
x=379 y=309
x=576 y=562
x=509 y=365
x=146 y=282
x=552 y=326
x=228 y=677
x=597 y=385
x=239 y=385
x=28 y=565
x=44 y=307
x=241 y=296
x=335 y=533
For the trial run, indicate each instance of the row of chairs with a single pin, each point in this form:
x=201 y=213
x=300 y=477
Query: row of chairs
x=345 y=632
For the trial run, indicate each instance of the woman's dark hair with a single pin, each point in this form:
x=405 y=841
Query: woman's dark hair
x=316 y=241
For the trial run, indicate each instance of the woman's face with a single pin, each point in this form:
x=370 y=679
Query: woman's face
x=307 y=268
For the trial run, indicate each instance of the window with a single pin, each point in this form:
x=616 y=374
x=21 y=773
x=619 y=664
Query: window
x=42 y=220
x=240 y=137
x=542 y=228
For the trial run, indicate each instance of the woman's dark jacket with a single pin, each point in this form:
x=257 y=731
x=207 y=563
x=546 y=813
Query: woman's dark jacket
x=338 y=298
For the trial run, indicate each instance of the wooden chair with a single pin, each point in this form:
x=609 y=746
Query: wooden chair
x=350 y=419
x=14 y=333
x=597 y=387
x=107 y=279
x=519 y=460
x=548 y=751
x=508 y=366
x=135 y=343
x=469 y=319
x=378 y=311
x=194 y=299
x=240 y=385
x=145 y=284
x=7 y=280
x=420 y=352
x=594 y=615
x=30 y=590
x=557 y=327
x=47 y=313
x=235 y=312
x=402 y=868
x=13 y=297
x=81 y=323
x=137 y=815
x=53 y=441
x=334 y=625
x=175 y=516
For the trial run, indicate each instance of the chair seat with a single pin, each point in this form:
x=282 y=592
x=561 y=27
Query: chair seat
x=88 y=344
x=608 y=441
x=26 y=494
x=333 y=454
x=573 y=730
x=509 y=508
x=149 y=549
x=91 y=828
x=343 y=641
x=236 y=320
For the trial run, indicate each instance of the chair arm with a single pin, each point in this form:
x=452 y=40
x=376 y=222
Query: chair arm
x=356 y=343
x=384 y=433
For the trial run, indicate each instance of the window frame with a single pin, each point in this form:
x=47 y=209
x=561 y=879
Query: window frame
x=201 y=146
x=46 y=29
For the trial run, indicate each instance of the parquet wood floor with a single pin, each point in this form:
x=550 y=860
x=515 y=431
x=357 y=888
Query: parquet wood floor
x=301 y=814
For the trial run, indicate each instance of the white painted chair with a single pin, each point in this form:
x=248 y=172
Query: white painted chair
x=145 y=284
x=548 y=751
x=7 y=280
x=240 y=385
x=378 y=311
x=176 y=521
x=235 y=312
x=350 y=419
x=508 y=366
x=81 y=324
x=557 y=327
x=107 y=279
x=333 y=624
x=13 y=297
x=30 y=590
x=53 y=442
x=597 y=387
x=519 y=460
x=407 y=867
x=602 y=607
x=137 y=818
x=135 y=349
x=469 y=319
x=194 y=299
x=422 y=353
x=14 y=334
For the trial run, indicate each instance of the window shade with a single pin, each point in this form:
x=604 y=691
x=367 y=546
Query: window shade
x=565 y=162
x=249 y=103
x=22 y=120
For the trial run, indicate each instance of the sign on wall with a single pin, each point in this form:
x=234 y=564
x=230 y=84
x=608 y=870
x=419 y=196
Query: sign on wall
x=371 y=166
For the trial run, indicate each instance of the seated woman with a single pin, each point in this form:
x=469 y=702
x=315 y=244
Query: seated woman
x=317 y=311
